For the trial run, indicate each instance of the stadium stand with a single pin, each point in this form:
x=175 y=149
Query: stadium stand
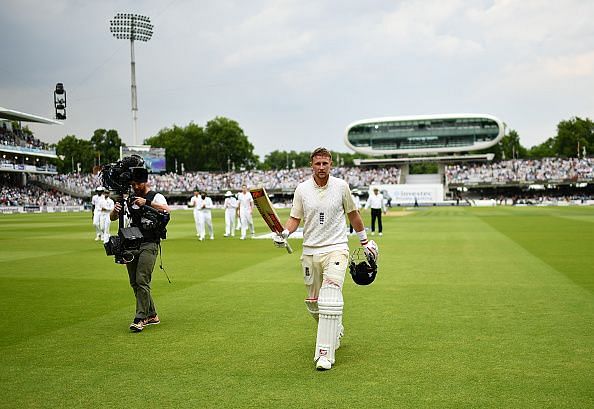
x=546 y=170
x=17 y=137
x=35 y=196
x=216 y=183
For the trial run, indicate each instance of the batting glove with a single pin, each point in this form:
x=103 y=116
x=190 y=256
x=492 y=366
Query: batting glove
x=280 y=240
x=371 y=250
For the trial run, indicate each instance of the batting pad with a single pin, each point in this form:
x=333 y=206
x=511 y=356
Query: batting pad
x=312 y=307
x=330 y=305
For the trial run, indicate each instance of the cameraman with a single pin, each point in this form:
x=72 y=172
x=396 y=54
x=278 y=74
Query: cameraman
x=140 y=269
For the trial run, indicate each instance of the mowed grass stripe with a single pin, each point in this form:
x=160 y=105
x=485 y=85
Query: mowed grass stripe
x=460 y=316
x=564 y=243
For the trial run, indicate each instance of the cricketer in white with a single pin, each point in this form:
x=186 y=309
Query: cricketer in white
x=322 y=203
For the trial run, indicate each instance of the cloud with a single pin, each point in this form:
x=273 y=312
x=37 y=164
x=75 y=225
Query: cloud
x=272 y=50
x=534 y=26
x=424 y=27
x=549 y=72
x=316 y=65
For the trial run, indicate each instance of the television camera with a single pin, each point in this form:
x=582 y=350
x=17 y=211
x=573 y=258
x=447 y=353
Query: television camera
x=117 y=177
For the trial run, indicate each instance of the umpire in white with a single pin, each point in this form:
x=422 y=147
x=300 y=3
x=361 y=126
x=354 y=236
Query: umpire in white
x=322 y=203
x=375 y=202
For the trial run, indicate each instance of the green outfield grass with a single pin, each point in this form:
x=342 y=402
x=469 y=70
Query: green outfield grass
x=472 y=308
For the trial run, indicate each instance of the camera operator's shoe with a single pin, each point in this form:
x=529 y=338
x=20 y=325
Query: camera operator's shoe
x=154 y=320
x=137 y=325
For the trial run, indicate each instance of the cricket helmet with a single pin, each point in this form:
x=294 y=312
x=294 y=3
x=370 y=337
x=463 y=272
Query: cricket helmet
x=362 y=268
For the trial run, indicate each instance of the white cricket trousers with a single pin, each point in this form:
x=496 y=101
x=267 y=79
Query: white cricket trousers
x=229 y=222
x=246 y=221
x=206 y=224
x=105 y=225
x=97 y=223
x=198 y=221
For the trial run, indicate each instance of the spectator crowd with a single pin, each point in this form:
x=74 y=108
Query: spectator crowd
x=218 y=182
x=285 y=180
x=31 y=195
x=16 y=137
x=522 y=171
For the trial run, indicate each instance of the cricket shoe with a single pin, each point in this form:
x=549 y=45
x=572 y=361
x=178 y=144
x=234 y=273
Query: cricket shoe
x=154 y=320
x=323 y=364
x=137 y=325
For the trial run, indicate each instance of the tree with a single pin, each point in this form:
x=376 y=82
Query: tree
x=221 y=143
x=544 y=150
x=511 y=146
x=226 y=143
x=283 y=159
x=106 y=145
x=347 y=159
x=72 y=152
x=573 y=135
x=182 y=146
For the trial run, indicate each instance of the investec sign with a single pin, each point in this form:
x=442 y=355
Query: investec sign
x=423 y=193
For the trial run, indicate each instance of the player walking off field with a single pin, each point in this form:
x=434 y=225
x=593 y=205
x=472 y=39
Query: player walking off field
x=206 y=216
x=106 y=204
x=97 y=212
x=230 y=207
x=196 y=204
x=246 y=206
x=322 y=203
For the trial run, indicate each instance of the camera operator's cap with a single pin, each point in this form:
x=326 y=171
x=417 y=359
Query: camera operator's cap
x=228 y=193
x=100 y=189
x=139 y=175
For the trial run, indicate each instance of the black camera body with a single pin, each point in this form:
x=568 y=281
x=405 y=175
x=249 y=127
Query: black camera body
x=120 y=246
x=154 y=220
x=118 y=177
x=150 y=220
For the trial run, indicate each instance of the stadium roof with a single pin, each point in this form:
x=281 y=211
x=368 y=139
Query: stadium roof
x=11 y=115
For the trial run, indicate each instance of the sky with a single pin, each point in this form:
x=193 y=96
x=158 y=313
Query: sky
x=294 y=74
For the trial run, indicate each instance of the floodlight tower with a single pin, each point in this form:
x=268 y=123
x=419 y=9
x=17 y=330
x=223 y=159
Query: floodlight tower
x=128 y=26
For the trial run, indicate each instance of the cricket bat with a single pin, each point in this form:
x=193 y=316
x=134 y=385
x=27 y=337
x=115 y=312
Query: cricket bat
x=268 y=213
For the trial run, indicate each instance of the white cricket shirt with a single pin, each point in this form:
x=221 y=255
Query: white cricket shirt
x=375 y=202
x=246 y=201
x=94 y=201
x=196 y=203
x=323 y=211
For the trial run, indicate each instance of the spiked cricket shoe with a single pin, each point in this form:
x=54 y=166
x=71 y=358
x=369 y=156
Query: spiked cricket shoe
x=323 y=364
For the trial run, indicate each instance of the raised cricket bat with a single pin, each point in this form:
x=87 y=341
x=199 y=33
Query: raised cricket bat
x=268 y=213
